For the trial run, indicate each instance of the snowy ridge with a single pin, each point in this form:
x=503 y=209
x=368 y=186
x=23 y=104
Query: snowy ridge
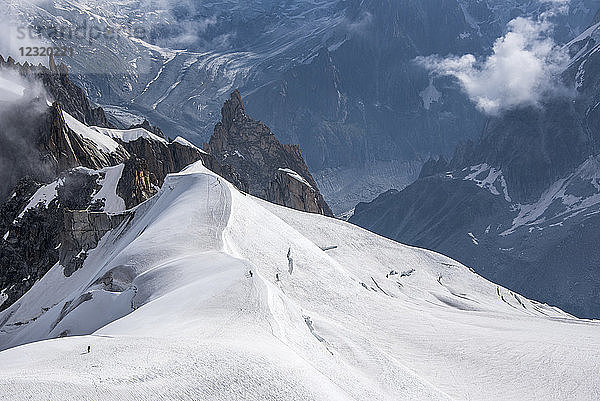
x=169 y=307
x=185 y=142
x=295 y=176
x=103 y=142
x=129 y=135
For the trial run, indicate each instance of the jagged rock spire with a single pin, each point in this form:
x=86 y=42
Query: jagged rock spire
x=233 y=110
x=249 y=147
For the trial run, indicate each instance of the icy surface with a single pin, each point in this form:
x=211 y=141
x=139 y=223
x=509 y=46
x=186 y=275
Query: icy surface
x=102 y=142
x=170 y=310
x=129 y=135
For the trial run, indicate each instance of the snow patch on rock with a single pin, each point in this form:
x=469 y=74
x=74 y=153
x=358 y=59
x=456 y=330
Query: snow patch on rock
x=295 y=176
x=103 y=142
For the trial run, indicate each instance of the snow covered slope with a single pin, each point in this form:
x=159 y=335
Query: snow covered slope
x=169 y=307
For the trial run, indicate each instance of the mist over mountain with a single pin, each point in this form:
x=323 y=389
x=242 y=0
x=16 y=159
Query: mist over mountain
x=22 y=102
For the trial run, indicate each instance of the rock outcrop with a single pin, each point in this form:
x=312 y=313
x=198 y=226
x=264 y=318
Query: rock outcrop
x=152 y=160
x=23 y=260
x=291 y=190
x=82 y=231
x=252 y=150
x=65 y=149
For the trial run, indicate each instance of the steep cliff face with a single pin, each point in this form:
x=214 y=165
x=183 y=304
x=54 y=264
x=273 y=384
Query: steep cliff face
x=82 y=231
x=32 y=227
x=252 y=150
x=138 y=183
x=66 y=149
x=291 y=190
x=23 y=261
x=36 y=139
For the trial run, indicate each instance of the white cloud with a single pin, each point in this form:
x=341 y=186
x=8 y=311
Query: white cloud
x=191 y=31
x=359 y=25
x=17 y=89
x=522 y=69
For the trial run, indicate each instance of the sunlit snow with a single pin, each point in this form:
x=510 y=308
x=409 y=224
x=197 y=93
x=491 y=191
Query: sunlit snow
x=182 y=301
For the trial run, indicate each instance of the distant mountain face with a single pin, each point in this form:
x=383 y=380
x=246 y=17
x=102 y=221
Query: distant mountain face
x=522 y=203
x=337 y=77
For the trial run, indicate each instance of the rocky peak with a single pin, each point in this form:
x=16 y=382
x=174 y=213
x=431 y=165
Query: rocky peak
x=233 y=112
x=68 y=217
x=66 y=149
x=250 y=148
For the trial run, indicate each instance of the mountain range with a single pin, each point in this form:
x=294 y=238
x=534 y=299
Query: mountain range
x=336 y=77
x=204 y=291
x=520 y=204
x=166 y=235
x=76 y=176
